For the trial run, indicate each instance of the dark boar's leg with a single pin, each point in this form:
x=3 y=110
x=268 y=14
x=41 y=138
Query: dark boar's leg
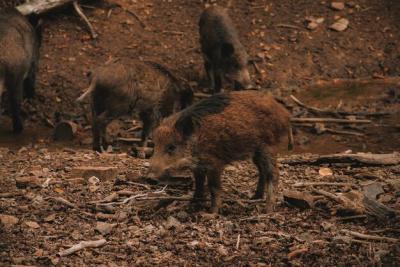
x=214 y=185
x=148 y=123
x=199 y=177
x=267 y=175
x=15 y=106
x=29 y=83
x=99 y=127
x=210 y=72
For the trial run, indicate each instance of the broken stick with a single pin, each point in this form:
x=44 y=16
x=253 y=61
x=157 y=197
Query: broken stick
x=85 y=19
x=304 y=184
x=335 y=113
x=370 y=237
x=82 y=245
x=328 y=120
x=359 y=158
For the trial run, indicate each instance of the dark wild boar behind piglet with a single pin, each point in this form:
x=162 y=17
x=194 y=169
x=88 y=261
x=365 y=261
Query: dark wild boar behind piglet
x=19 y=55
x=224 y=55
x=145 y=88
x=216 y=131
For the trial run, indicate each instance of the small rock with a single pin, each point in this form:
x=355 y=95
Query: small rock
x=373 y=190
x=312 y=25
x=104 y=228
x=193 y=243
x=319 y=20
x=222 y=250
x=172 y=222
x=50 y=218
x=337 y=5
x=298 y=199
x=8 y=220
x=326 y=226
x=32 y=224
x=323 y=171
x=340 y=25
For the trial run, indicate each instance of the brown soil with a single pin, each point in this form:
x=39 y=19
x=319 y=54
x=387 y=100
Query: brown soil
x=291 y=60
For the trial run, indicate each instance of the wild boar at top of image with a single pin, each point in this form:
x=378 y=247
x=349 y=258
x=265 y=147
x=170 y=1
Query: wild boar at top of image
x=145 y=88
x=216 y=131
x=19 y=55
x=223 y=53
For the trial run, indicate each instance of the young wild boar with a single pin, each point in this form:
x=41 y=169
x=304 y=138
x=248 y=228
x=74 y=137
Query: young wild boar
x=147 y=88
x=19 y=55
x=216 y=131
x=224 y=55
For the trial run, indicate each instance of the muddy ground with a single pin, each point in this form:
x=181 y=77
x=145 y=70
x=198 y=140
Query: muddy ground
x=290 y=59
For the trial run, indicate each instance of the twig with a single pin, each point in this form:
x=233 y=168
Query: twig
x=328 y=130
x=348 y=218
x=359 y=158
x=64 y=202
x=171 y=198
x=346 y=203
x=335 y=113
x=282 y=25
x=10 y=194
x=71 y=205
x=85 y=19
x=238 y=242
x=135 y=16
x=201 y=95
x=370 y=237
x=256 y=67
x=136 y=197
x=303 y=184
x=82 y=245
x=174 y=32
x=328 y=120
x=129 y=140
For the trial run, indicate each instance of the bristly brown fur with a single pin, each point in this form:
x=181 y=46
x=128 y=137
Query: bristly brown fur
x=190 y=118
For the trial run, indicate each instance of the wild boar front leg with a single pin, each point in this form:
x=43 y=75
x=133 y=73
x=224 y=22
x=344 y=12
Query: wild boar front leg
x=148 y=122
x=199 y=177
x=99 y=130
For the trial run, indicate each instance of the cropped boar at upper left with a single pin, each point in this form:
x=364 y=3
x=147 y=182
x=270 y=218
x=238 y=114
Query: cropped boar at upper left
x=19 y=55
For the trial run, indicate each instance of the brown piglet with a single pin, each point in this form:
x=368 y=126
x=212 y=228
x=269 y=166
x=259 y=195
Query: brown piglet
x=217 y=131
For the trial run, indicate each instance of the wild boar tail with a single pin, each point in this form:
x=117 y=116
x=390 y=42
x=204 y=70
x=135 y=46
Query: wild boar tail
x=290 y=137
x=88 y=91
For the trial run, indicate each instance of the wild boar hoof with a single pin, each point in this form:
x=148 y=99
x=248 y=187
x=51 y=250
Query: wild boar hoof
x=141 y=154
x=214 y=210
x=17 y=128
x=257 y=196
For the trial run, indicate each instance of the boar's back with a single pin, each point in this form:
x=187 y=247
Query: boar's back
x=190 y=117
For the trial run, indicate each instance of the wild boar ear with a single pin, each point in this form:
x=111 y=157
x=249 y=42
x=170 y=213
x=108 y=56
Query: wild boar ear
x=186 y=126
x=227 y=49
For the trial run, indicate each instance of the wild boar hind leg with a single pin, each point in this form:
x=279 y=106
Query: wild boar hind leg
x=214 y=185
x=267 y=175
x=15 y=98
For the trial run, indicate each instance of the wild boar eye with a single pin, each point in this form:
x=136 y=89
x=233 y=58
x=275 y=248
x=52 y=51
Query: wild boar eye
x=170 y=148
